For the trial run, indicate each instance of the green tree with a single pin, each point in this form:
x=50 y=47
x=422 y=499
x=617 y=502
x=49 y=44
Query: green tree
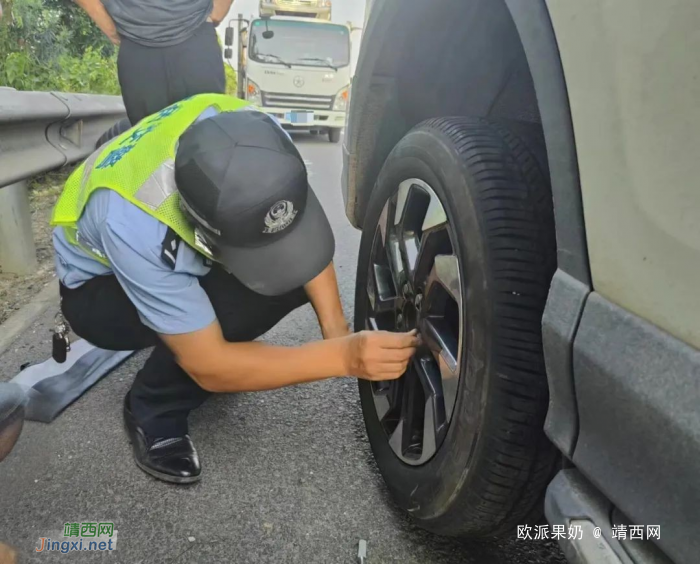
x=53 y=45
x=80 y=29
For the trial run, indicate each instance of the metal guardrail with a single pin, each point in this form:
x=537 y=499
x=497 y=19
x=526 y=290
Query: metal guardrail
x=39 y=132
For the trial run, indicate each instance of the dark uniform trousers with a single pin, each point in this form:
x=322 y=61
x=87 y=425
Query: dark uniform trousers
x=152 y=78
x=163 y=394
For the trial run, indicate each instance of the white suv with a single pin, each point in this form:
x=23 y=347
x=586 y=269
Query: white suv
x=525 y=173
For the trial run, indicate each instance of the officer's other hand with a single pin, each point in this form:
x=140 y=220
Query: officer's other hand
x=379 y=355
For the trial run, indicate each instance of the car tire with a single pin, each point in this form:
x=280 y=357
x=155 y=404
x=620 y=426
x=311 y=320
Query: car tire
x=334 y=135
x=491 y=470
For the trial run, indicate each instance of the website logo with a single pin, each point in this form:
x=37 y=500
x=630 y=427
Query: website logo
x=91 y=536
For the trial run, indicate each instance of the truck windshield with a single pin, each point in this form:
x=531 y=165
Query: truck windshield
x=307 y=44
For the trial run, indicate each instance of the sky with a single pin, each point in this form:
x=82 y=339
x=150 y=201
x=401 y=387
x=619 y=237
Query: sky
x=343 y=11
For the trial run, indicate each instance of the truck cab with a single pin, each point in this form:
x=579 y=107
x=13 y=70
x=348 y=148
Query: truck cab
x=298 y=70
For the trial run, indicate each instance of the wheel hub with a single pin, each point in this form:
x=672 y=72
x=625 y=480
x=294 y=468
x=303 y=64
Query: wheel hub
x=414 y=283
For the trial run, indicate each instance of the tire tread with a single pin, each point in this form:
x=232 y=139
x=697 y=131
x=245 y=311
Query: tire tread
x=513 y=193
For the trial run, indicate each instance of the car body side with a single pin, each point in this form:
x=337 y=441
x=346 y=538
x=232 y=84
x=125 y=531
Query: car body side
x=614 y=86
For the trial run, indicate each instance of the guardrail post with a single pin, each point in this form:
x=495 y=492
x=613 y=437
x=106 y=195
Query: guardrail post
x=17 y=250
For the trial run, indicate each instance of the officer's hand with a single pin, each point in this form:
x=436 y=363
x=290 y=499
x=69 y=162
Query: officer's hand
x=379 y=355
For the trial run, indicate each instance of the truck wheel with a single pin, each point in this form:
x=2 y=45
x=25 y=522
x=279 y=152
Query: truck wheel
x=459 y=242
x=334 y=135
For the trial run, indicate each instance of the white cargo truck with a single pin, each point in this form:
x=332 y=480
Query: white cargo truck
x=304 y=8
x=296 y=69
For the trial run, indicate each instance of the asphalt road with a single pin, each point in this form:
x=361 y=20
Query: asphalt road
x=288 y=476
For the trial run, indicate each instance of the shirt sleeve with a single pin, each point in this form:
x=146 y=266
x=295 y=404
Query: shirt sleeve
x=168 y=301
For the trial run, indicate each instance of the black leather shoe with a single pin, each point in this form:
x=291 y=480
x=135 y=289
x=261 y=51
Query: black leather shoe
x=172 y=460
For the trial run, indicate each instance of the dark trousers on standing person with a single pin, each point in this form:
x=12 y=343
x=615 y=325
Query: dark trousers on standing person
x=153 y=78
x=162 y=394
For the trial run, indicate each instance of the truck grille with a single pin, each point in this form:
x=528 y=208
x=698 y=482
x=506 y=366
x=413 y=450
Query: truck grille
x=297 y=101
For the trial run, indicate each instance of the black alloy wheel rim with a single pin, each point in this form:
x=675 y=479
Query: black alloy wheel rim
x=414 y=282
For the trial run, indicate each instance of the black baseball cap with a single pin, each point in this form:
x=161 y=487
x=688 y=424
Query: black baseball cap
x=244 y=185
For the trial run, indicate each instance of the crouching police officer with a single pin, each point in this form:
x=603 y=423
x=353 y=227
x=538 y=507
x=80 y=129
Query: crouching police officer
x=196 y=232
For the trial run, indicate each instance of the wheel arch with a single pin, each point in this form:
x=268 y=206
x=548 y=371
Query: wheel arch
x=497 y=59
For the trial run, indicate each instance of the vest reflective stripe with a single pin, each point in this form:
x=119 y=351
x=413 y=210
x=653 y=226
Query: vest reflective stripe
x=159 y=186
x=139 y=166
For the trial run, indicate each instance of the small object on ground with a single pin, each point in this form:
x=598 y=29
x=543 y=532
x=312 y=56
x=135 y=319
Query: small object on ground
x=362 y=552
x=191 y=539
x=51 y=387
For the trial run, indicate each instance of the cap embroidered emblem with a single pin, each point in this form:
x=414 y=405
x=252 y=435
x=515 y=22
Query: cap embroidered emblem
x=280 y=216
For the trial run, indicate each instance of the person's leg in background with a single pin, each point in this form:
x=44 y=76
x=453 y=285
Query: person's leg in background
x=153 y=78
x=195 y=66
x=143 y=79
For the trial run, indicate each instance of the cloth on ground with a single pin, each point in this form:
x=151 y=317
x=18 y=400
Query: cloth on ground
x=50 y=387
